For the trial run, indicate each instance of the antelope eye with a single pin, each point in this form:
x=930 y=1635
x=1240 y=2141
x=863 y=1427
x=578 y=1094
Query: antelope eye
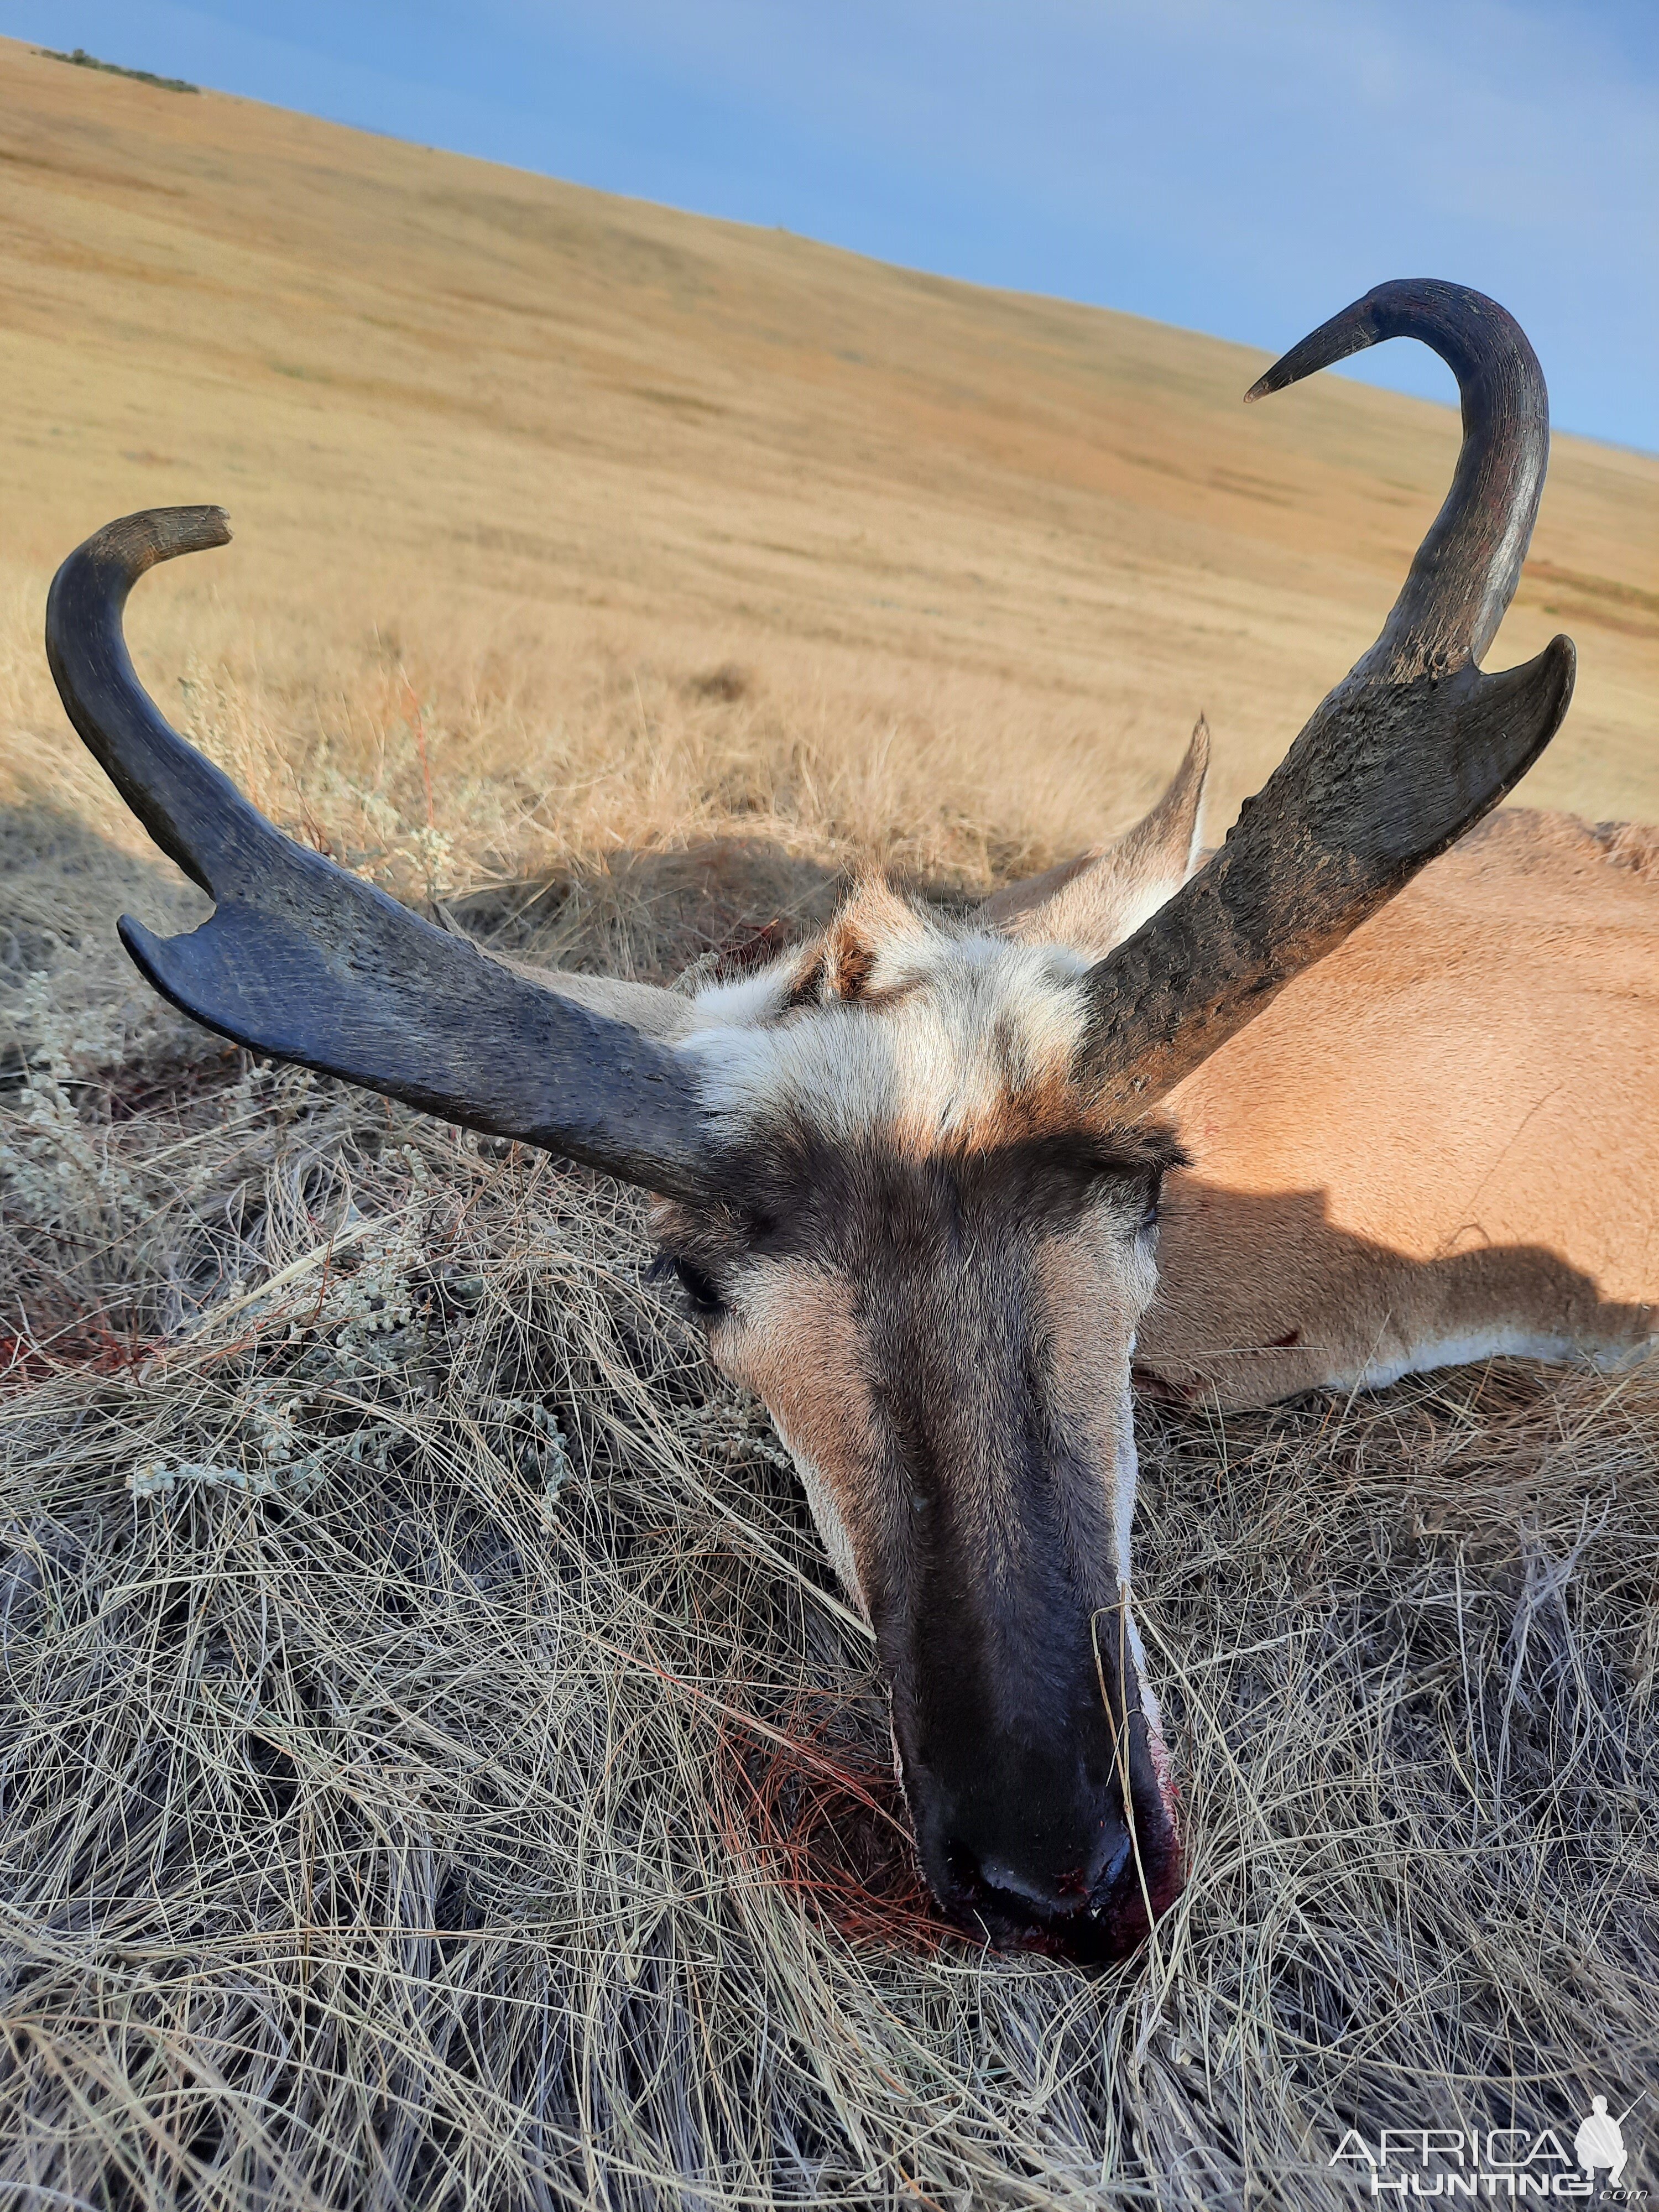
x=1148 y=1220
x=701 y=1292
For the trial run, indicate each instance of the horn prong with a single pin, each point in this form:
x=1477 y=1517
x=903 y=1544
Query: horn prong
x=307 y=962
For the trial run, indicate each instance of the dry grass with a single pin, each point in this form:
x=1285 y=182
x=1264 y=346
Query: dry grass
x=437 y=1766
x=439 y=1769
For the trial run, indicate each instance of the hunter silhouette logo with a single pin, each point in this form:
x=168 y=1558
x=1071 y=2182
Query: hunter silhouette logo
x=1600 y=2141
x=1485 y=2164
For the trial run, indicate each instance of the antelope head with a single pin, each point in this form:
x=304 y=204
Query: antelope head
x=908 y=1177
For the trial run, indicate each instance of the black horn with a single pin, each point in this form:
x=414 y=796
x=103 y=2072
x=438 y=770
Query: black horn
x=1410 y=750
x=306 y=963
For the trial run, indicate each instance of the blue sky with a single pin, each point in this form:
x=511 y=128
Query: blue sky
x=1243 y=166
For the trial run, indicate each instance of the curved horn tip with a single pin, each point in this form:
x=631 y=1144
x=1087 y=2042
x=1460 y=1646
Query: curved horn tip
x=1331 y=342
x=141 y=541
x=1288 y=369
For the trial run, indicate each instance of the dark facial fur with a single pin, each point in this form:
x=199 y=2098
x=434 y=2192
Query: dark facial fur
x=945 y=1344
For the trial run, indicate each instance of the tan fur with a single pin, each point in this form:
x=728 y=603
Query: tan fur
x=790 y=1336
x=936 y=1264
x=1093 y=1304
x=1438 y=1144
x=1434 y=1147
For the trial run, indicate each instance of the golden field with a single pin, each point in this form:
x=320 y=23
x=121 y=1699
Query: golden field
x=437 y=1766
x=525 y=462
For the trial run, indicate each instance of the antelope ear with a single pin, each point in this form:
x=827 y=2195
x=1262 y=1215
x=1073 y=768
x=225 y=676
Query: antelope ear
x=1095 y=902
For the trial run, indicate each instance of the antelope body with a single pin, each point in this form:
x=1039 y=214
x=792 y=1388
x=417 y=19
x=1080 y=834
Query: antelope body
x=1438 y=1145
x=909 y=1177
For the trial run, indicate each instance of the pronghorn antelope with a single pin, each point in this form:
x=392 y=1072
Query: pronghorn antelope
x=909 y=1177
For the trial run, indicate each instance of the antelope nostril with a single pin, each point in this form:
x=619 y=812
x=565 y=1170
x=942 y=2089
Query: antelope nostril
x=1083 y=1880
x=1112 y=1867
x=1054 y=1894
x=1010 y=1883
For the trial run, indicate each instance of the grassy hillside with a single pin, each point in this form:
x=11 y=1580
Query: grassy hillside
x=540 y=459
x=437 y=1767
